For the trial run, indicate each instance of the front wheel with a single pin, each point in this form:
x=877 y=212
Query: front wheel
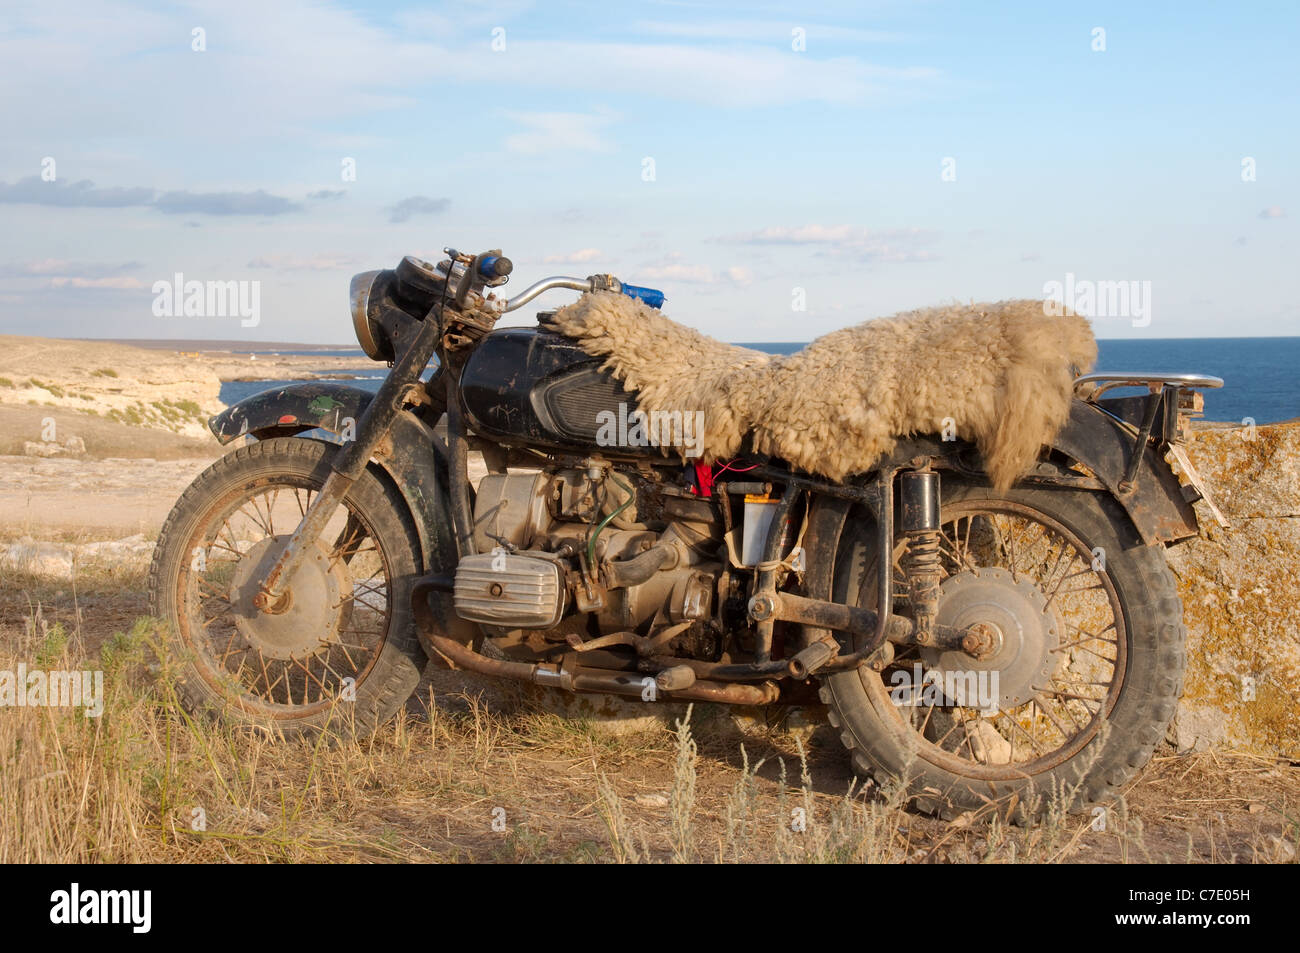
x=1080 y=686
x=341 y=649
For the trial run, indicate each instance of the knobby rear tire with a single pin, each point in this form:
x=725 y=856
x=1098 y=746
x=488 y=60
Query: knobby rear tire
x=884 y=747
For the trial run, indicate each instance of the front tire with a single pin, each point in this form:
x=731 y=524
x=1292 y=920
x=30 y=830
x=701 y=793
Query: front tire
x=343 y=651
x=1092 y=689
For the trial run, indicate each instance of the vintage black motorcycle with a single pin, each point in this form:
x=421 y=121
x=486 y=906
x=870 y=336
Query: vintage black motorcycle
x=971 y=644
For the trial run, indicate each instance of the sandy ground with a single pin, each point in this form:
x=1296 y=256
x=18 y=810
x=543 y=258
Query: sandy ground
x=91 y=499
x=140 y=414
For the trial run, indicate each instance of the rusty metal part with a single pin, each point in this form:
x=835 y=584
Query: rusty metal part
x=1154 y=401
x=348 y=465
x=1156 y=504
x=919 y=523
x=766 y=579
x=723 y=671
x=578 y=679
x=675 y=679
x=623 y=683
x=292 y=551
x=982 y=640
x=462 y=510
x=762 y=606
x=461 y=655
x=1024 y=632
x=417 y=473
x=811 y=659
x=858 y=621
x=645 y=645
x=921 y=566
x=601 y=682
x=623 y=573
x=291 y=628
x=885 y=570
x=744 y=488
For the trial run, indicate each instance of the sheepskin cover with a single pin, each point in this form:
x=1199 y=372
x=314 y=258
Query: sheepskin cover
x=1002 y=372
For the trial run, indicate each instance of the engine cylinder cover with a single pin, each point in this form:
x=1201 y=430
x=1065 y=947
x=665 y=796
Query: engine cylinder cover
x=509 y=589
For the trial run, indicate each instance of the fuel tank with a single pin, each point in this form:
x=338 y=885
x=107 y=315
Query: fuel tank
x=530 y=386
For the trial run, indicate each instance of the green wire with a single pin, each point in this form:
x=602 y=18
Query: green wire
x=591 y=543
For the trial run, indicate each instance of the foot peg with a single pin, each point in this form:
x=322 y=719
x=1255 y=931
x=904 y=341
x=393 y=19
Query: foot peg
x=675 y=679
x=810 y=659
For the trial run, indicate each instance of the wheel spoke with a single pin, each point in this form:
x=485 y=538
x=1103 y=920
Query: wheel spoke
x=244 y=653
x=1027 y=546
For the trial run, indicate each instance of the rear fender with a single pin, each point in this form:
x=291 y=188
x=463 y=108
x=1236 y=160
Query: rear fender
x=1158 y=504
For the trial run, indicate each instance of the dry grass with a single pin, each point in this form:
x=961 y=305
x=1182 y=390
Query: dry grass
x=457 y=779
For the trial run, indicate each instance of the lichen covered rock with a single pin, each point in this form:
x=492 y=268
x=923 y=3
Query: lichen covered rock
x=1239 y=588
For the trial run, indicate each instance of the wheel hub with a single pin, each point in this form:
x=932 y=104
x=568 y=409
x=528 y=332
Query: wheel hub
x=1016 y=633
x=308 y=614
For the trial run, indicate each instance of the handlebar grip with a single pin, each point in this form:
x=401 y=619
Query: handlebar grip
x=495 y=266
x=651 y=296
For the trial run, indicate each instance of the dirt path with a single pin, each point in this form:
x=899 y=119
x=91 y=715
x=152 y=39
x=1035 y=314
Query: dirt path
x=63 y=498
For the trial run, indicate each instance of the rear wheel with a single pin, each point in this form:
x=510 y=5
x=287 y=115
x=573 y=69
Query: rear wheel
x=341 y=646
x=1081 y=681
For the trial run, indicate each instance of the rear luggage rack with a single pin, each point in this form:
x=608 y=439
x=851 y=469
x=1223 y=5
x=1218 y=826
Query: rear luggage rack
x=1165 y=412
x=1091 y=386
x=1167 y=409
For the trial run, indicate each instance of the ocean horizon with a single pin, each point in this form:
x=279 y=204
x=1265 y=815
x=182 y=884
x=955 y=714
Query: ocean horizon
x=1261 y=375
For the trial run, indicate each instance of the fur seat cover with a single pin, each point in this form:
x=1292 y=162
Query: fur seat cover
x=1002 y=372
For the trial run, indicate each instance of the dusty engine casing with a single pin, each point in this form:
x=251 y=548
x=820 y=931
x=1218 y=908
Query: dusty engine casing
x=528 y=524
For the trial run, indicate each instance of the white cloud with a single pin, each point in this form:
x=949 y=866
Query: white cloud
x=761 y=31
x=324 y=261
x=689 y=274
x=62 y=268
x=91 y=71
x=674 y=268
x=579 y=257
x=848 y=241
x=1273 y=211
x=559 y=132
x=113 y=284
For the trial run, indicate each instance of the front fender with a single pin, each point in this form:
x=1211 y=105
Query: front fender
x=1157 y=505
x=281 y=411
x=411 y=457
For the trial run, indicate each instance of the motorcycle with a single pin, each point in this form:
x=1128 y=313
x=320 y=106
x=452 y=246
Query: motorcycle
x=969 y=642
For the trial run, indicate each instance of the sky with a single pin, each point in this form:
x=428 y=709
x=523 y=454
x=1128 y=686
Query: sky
x=779 y=170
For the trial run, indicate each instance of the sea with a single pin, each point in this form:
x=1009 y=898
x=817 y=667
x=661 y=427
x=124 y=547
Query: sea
x=1261 y=375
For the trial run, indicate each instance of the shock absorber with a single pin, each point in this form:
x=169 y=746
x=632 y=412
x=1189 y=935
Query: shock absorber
x=918 y=501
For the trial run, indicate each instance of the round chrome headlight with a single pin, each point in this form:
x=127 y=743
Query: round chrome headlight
x=368 y=336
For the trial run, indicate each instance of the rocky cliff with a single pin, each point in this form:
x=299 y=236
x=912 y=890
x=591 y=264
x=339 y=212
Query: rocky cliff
x=1239 y=588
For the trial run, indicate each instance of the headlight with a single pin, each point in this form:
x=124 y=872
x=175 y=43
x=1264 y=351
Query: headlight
x=371 y=338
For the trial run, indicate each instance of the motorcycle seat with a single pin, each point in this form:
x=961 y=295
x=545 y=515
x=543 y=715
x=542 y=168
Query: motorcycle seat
x=997 y=374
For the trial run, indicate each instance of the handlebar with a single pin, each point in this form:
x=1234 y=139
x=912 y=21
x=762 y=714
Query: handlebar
x=546 y=284
x=495 y=266
x=651 y=296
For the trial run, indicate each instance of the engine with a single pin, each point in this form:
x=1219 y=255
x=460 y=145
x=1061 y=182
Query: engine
x=556 y=549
